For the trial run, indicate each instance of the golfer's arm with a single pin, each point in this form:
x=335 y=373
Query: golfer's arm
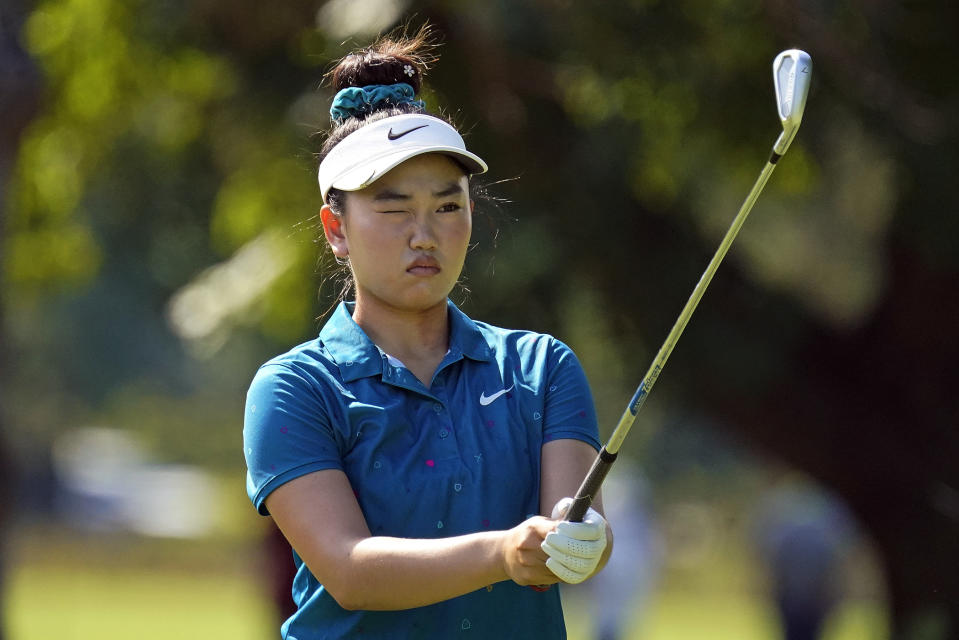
x=319 y=515
x=564 y=465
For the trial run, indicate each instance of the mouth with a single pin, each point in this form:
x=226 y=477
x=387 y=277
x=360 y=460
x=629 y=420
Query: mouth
x=424 y=266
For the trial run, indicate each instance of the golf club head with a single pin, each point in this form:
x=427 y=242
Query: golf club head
x=792 y=70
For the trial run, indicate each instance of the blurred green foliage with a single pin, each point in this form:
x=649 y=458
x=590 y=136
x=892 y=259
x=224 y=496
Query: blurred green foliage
x=161 y=238
x=168 y=144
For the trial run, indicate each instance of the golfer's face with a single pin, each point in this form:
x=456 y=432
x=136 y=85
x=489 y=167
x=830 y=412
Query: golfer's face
x=407 y=233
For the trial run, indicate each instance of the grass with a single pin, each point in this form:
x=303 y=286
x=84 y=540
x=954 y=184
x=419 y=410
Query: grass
x=80 y=587
x=47 y=602
x=678 y=615
x=73 y=588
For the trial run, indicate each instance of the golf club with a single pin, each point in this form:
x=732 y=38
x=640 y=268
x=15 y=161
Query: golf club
x=791 y=72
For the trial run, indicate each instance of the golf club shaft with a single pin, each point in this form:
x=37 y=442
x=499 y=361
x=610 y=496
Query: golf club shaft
x=604 y=461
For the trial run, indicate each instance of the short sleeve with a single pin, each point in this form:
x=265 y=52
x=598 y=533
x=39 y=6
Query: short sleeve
x=287 y=431
x=569 y=410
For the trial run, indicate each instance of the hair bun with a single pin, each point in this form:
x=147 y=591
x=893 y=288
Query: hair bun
x=388 y=61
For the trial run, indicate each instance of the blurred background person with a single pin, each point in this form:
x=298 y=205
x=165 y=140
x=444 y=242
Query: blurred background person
x=618 y=596
x=803 y=535
x=279 y=566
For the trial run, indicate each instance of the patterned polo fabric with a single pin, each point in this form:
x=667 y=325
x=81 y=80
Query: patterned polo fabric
x=458 y=457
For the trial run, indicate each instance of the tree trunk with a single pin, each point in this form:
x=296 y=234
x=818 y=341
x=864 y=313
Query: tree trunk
x=19 y=100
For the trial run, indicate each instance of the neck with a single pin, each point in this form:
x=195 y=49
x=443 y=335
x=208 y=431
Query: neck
x=420 y=339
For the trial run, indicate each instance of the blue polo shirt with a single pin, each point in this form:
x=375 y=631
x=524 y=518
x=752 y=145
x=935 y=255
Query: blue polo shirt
x=459 y=456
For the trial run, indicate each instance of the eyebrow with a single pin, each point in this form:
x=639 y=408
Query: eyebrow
x=454 y=188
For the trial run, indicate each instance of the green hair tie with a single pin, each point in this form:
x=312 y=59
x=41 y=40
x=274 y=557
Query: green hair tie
x=359 y=101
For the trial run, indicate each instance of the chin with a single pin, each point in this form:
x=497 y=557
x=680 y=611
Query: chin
x=422 y=296
x=414 y=302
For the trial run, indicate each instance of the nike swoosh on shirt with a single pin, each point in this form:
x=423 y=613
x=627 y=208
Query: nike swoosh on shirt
x=397 y=136
x=485 y=400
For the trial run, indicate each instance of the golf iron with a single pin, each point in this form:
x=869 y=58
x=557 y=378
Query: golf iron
x=791 y=72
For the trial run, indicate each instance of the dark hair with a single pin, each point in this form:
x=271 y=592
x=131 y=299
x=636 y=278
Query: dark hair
x=387 y=61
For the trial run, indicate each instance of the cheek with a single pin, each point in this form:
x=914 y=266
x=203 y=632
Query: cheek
x=370 y=238
x=461 y=231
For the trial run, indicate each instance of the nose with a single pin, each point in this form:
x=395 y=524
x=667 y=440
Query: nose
x=422 y=235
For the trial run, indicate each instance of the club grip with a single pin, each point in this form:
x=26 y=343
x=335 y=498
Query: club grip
x=590 y=487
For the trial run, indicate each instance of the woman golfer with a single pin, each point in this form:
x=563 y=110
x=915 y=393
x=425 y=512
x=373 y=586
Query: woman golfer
x=408 y=452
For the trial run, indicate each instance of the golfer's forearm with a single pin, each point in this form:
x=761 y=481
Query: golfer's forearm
x=384 y=573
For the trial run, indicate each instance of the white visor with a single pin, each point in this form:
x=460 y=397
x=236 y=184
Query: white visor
x=364 y=156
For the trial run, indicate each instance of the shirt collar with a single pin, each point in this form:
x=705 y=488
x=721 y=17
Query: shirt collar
x=466 y=337
x=358 y=357
x=349 y=346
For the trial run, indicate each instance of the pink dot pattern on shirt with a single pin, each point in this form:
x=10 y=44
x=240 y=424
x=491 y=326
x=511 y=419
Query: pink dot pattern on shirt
x=430 y=463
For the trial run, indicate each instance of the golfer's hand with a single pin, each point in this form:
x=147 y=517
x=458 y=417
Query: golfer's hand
x=575 y=548
x=523 y=557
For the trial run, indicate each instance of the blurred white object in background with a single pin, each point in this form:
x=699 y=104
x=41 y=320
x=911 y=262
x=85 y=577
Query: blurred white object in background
x=106 y=483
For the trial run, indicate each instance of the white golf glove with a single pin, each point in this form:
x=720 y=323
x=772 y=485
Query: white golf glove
x=575 y=548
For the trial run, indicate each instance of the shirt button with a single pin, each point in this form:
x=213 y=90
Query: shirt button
x=438 y=408
x=444 y=433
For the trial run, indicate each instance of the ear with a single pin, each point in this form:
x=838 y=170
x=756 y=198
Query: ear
x=333 y=230
x=472 y=207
